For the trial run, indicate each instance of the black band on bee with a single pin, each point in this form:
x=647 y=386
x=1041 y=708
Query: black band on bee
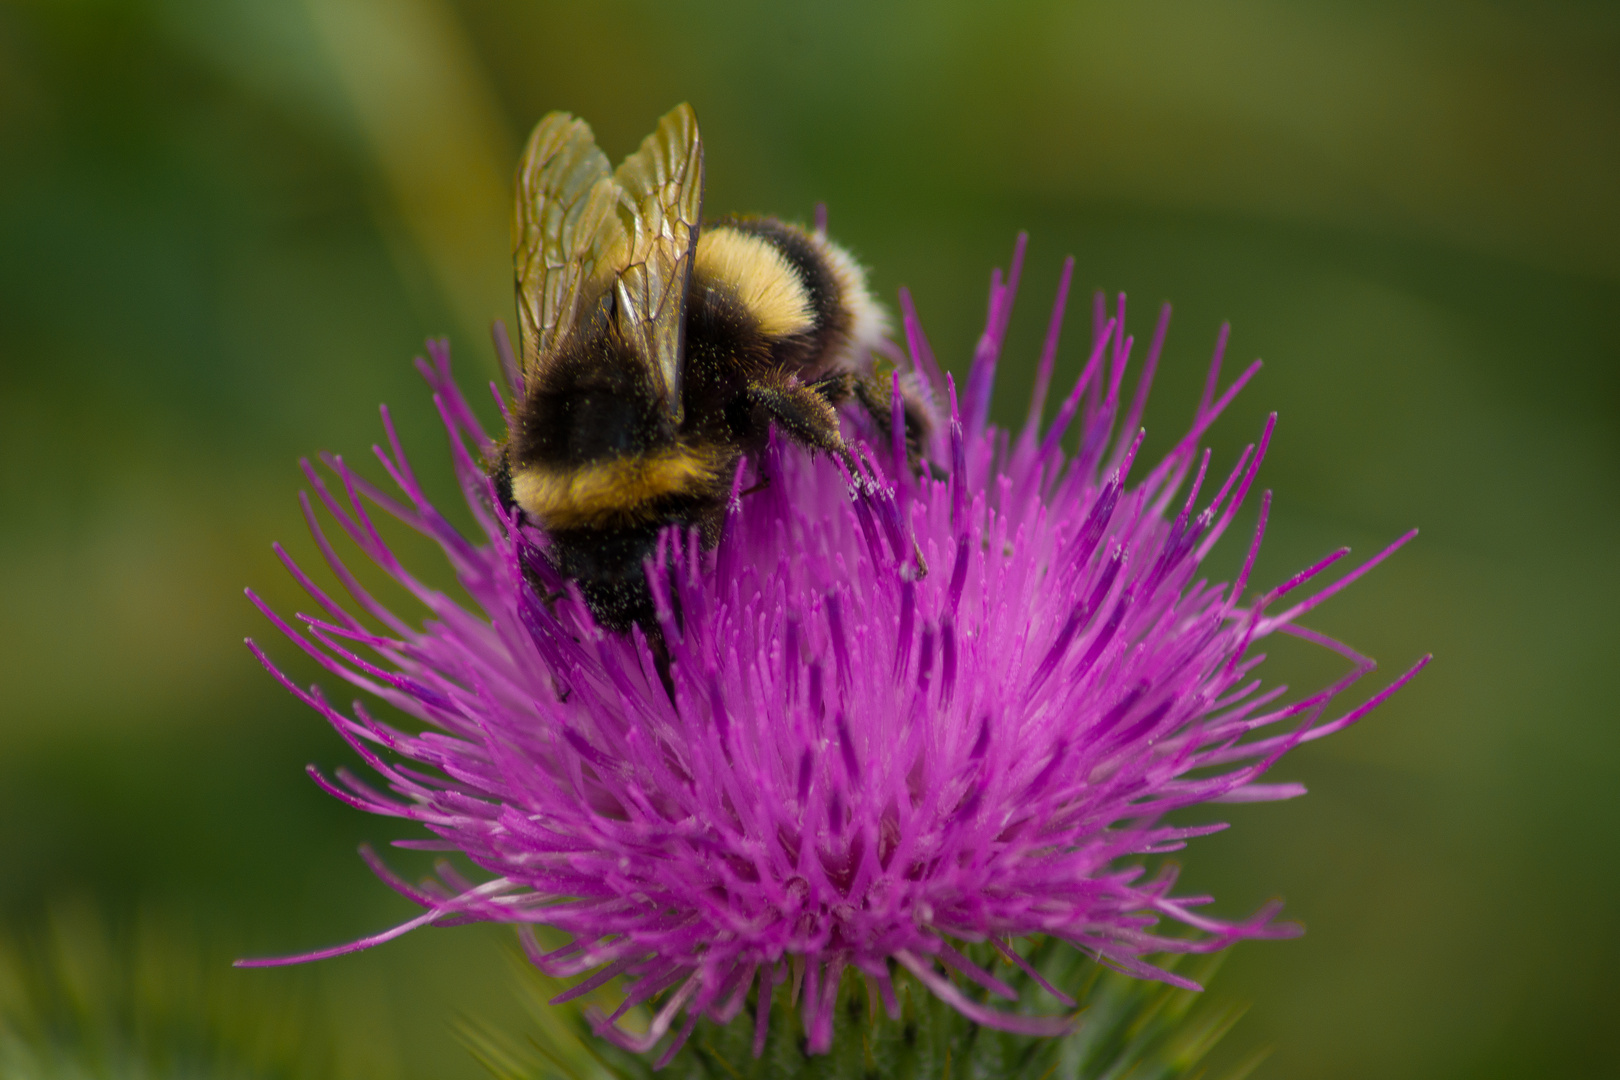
x=593 y=402
x=609 y=566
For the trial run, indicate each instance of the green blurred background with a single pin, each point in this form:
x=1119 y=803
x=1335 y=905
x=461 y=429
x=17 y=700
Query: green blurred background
x=227 y=225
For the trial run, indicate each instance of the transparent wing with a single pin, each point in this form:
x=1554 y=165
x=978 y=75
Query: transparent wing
x=660 y=208
x=565 y=201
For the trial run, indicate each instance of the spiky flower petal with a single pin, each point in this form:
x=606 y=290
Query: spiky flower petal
x=906 y=713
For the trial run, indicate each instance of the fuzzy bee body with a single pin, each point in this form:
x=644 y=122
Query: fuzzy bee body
x=657 y=353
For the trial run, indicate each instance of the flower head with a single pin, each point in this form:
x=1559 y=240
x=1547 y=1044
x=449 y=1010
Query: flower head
x=903 y=712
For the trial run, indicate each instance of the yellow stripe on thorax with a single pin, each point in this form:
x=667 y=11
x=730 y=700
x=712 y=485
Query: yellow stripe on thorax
x=606 y=493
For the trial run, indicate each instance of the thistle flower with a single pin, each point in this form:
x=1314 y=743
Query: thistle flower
x=904 y=712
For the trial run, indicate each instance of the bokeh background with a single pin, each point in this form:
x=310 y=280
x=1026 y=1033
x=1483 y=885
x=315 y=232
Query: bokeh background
x=227 y=225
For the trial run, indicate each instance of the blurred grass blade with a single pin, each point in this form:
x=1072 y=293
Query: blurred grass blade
x=80 y=999
x=441 y=143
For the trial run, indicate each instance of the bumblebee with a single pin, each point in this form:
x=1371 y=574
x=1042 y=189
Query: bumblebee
x=657 y=352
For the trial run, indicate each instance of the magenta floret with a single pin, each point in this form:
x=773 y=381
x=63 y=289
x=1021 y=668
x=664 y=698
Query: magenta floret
x=864 y=760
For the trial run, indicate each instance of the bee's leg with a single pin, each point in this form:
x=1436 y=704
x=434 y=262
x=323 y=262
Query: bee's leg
x=806 y=413
x=875 y=396
x=802 y=411
x=835 y=389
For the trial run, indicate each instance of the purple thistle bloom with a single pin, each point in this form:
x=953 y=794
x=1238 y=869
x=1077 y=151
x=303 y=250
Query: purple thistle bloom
x=863 y=761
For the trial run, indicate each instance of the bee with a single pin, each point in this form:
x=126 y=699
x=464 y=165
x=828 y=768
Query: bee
x=657 y=352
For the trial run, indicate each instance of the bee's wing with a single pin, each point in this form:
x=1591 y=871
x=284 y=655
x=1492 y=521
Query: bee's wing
x=564 y=231
x=662 y=204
